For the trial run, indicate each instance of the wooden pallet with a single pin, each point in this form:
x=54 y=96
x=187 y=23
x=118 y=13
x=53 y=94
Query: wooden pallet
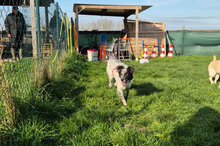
x=46 y=50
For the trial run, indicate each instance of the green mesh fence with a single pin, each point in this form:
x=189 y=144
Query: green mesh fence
x=93 y=38
x=195 y=42
x=20 y=71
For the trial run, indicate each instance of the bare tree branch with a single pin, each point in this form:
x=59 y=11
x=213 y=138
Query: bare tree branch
x=102 y=25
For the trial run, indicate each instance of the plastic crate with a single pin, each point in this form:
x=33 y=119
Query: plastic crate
x=92 y=55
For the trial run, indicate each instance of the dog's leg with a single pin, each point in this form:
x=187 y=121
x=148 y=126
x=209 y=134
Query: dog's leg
x=212 y=73
x=110 y=77
x=210 y=79
x=127 y=92
x=115 y=84
x=216 y=78
x=121 y=95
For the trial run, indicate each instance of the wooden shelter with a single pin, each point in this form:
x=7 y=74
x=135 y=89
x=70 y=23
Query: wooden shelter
x=110 y=10
x=149 y=32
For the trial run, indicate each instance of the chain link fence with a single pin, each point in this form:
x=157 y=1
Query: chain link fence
x=21 y=70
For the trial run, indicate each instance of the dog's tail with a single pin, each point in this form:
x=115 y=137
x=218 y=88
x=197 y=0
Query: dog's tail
x=214 y=57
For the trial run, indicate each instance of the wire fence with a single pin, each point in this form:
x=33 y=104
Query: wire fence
x=21 y=70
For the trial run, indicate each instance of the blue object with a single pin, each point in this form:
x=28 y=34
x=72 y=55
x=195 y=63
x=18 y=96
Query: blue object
x=143 y=45
x=103 y=38
x=5 y=43
x=152 y=45
x=158 y=46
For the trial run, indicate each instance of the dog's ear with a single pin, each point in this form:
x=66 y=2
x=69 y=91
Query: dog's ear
x=120 y=67
x=130 y=69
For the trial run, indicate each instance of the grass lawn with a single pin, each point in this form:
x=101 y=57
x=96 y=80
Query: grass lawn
x=171 y=102
x=1 y=79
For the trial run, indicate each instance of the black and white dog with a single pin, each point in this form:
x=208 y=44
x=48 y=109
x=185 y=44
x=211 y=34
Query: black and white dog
x=122 y=74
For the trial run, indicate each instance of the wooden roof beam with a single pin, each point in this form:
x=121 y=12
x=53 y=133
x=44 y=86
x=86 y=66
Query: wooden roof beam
x=103 y=12
x=129 y=12
x=107 y=6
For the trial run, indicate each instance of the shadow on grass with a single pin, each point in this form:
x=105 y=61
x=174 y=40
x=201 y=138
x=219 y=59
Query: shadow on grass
x=61 y=96
x=53 y=100
x=145 y=89
x=203 y=128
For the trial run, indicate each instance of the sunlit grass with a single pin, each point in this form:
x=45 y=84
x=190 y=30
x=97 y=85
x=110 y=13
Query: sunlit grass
x=171 y=102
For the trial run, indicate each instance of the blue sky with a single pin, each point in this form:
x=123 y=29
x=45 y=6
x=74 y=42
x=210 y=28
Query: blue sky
x=193 y=14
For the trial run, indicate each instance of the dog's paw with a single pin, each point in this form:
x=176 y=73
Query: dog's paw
x=124 y=102
x=110 y=85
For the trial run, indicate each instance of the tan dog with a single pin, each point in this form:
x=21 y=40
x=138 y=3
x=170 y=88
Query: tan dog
x=214 y=70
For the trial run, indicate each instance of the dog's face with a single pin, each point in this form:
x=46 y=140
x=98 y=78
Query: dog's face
x=126 y=74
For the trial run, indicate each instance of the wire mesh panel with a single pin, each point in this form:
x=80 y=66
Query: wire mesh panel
x=15 y=61
x=20 y=71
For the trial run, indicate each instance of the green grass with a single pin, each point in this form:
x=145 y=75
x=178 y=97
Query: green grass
x=171 y=102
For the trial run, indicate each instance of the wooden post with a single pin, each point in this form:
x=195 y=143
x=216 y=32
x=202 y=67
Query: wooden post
x=77 y=27
x=38 y=31
x=126 y=27
x=165 y=31
x=168 y=39
x=136 y=33
x=58 y=28
x=47 y=24
x=183 y=27
x=33 y=28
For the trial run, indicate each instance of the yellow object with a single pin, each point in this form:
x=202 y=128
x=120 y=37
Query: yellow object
x=55 y=57
x=156 y=51
x=69 y=35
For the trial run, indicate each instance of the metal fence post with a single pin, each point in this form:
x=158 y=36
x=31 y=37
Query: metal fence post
x=58 y=26
x=72 y=33
x=38 y=31
x=183 y=42
x=66 y=44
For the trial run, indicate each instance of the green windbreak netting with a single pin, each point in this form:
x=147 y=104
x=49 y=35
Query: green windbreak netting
x=93 y=38
x=195 y=42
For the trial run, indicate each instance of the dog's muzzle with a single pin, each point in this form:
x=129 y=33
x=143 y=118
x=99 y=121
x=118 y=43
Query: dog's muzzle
x=123 y=82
